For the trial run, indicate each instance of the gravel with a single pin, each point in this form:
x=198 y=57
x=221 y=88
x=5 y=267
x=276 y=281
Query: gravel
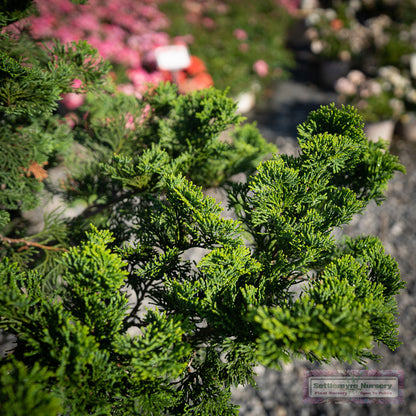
x=280 y=393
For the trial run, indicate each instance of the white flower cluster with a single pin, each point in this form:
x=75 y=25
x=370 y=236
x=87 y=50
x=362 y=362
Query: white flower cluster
x=377 y=27
x=356 y=89
x=400 y=85
x=329 y=35
x=357 y=84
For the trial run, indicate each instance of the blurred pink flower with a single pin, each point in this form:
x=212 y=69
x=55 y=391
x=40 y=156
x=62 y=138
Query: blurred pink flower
x=183 y=40
x=93 y=40
x=261 y=68
x=125 y=32
x=240 y=34
x=71 y=119
x=76 y=83
x=86 y=21
x=128 y=89
x=125 y=20
x=65 y=6
x=140 y=78
x=43 y=26
x=128 y=57
x=109 y=49
x=137 y=76
x=208 y=22
x=113 y=32
x=292 y=6
x=130 y=124
x=68 y=34
x=134 y=42
x=72 y=100
x=221 y=8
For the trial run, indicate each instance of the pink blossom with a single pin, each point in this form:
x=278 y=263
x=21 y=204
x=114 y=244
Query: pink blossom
x=113 y=32
x=130 y=124
x=261 y=68
x=134 y=42
x=208 y=22
x=128 y=57
x=126 y=20
x=221 y=8
x=140 y=77
x=138 y=27
x=43 y=26
x=65 y=6
x=183 y=40
x=128 y=89
x=72 y=100
x=67 y=34
x=76 y=83
x=17 y=27
x=86 y=21
x=161 y=22
x=56 y=7
x=109 y=49
x=94 y=41
x=125 y=32
x=151 y=40
x=149 y=12
x=240 y=34
x=71 y=119
x=291 y=6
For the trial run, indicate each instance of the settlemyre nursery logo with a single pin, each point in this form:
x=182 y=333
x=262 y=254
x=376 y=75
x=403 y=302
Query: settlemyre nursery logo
x=358 y=386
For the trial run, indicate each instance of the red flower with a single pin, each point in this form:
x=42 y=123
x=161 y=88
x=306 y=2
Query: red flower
x=336 y=24
x=199 y=82
x=196 y=66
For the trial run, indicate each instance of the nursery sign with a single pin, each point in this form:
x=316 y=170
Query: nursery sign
x=359 y=386
x=172 y=57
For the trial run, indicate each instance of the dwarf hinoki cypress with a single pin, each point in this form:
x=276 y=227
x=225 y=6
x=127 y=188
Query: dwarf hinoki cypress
x=108 y=314
x=210 y=322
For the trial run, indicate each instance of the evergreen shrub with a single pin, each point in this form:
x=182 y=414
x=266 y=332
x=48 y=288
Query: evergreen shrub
x=108 y=313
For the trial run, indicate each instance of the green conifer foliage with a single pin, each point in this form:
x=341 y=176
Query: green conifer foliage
x=210 y=321
x=135 y=322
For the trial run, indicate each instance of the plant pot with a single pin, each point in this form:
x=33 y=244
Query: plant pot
x=380 y=130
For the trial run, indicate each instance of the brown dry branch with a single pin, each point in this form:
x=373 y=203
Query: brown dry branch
x=28 y=244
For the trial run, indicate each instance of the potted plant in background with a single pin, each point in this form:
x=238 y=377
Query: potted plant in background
x=337 y=38
x=381 y=101
x=239 y=41
x=378 y=40
x=362 y=35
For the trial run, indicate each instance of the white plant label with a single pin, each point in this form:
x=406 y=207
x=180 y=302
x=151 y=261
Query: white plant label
x=172 y=57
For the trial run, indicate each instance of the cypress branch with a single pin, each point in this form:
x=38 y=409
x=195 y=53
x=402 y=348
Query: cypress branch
x=126 y=320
